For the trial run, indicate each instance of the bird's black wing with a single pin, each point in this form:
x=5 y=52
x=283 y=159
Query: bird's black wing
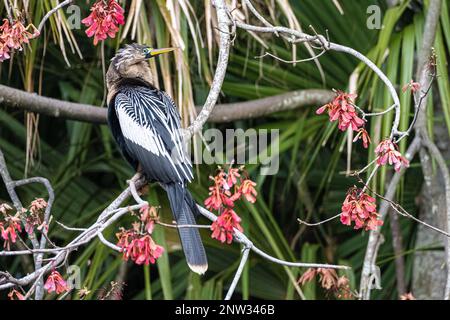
x=150 y=125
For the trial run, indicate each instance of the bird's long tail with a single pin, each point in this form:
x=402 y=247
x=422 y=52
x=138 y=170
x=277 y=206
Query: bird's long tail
x=183 y=208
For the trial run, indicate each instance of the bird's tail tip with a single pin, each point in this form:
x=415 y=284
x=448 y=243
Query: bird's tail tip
x=183 y=209
x=199 y=269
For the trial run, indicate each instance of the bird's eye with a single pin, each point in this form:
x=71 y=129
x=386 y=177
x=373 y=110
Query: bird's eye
x=147 y=50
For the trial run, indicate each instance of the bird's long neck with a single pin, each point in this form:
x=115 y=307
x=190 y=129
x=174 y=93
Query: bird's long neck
x=117 y=76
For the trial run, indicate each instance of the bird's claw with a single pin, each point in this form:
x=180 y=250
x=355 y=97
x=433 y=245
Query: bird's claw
x=138 y=176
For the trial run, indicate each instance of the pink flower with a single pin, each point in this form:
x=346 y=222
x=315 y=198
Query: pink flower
x=4 y=51
x=411 y=85
x=219 y=194
x=4 y=208
x=228 y=188
x=35 y=218
x=20 y=35
x=55 y=283
x=125 y=237
x=232 y=176
x=141 y=250
x=13 y=36
x=15 y=295
x=309 y=275
x=104 y=20
x=144 y=250
x=148 y=217
x=248 y=190
x=9 y=229
x=342 y=109
x=360 y=208
x=329 y=280
x=214 y=201
x=387 y=152
x=364 y=135
x=38 y=205
x=223 y=227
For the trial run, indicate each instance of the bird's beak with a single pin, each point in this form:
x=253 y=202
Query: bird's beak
x=157 y=52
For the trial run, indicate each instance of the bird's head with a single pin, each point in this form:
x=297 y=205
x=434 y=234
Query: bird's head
x=136 y=53
x=131 y=62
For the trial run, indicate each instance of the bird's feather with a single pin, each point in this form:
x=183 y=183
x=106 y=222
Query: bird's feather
x=150 y=125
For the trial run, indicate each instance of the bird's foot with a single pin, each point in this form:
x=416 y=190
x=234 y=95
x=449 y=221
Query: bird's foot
x=143 y=190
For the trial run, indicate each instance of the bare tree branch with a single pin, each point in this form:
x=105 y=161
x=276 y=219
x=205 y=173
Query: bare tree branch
x=21 y=100
x=18 y=99
x=238 y=274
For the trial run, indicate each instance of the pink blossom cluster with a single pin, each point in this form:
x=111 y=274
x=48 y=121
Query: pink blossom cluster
x=138 y=248
x=9 y=227
x=342 y=109
x=56 y=283
x=104 y=20
x=361 y=209
x=219 y=193
x=330 y=281
x=223 y=227
x=137 y=243
x=15 y=295
x=227 y=188
x=387 y=152
x=35 y=218
x=12 y=37
x=364 y=136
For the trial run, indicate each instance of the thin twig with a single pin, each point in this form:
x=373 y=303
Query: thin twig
x=402 y=211
x=291 y=61
x=238 y=273
x=318 y=223
x=51 y=12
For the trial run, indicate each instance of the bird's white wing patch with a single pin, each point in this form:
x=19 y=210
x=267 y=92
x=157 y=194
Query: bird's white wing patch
x=137 y=110
x=132 y=130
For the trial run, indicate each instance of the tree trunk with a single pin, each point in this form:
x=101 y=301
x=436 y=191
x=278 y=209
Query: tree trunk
x=429 y=274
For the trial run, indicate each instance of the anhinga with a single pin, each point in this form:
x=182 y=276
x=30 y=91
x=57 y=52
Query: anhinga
x=146 y=126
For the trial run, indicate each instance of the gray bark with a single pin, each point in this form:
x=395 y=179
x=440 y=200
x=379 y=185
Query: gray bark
x=429 y=270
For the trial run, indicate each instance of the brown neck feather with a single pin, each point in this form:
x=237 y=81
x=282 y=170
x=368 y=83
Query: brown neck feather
x=137 y=72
